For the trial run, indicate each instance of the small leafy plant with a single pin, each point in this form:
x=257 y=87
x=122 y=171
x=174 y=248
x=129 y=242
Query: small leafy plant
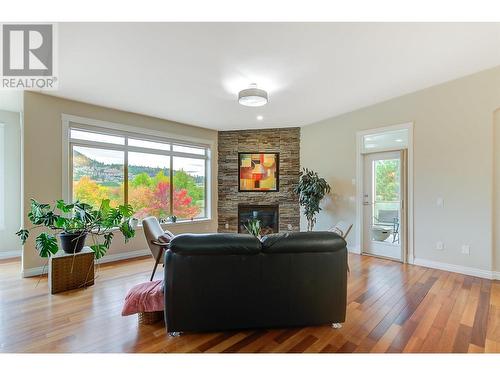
x=311 y=190
x=253 y=227
x=80 y=219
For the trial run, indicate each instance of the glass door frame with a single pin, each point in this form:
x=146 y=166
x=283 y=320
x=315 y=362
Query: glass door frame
x=408 y=240
x=385 y=248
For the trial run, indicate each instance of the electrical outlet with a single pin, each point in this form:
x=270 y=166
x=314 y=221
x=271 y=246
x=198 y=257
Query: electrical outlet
x=289 y=226
x=226 y=226
x=466 y=249
x=439 y=245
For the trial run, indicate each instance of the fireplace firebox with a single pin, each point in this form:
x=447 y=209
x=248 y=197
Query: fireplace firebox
x=267 y=214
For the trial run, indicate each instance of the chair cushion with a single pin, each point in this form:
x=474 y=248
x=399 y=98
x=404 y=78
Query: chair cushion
x=302 y=242
x=145 y=297
x=215 y=243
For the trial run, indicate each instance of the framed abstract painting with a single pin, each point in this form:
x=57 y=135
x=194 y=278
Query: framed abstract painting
x=258 y=171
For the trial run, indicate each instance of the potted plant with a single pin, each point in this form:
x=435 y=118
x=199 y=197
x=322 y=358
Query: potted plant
x=311 y=190
x=253 y=227
x=73 y=223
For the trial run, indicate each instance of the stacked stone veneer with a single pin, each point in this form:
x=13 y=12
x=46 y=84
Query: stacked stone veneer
x=286 y=141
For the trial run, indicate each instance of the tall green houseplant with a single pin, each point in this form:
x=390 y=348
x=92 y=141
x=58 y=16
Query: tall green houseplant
x=311 y=190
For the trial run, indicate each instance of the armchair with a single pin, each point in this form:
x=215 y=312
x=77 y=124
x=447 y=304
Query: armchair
x=157 y=239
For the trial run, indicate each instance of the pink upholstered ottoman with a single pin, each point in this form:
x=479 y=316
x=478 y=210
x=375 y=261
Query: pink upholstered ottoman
x=147 y=300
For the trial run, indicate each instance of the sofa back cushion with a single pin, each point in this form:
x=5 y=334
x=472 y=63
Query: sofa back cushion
x=215 y=243
x=302 y=242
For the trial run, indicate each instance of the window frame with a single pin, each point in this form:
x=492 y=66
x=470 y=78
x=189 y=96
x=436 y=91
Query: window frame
x=106 y=128
x=2 y=177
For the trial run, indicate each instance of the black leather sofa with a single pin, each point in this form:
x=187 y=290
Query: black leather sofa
x=221 y=281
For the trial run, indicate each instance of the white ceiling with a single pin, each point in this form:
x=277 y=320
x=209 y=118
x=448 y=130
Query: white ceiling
x=191 y=73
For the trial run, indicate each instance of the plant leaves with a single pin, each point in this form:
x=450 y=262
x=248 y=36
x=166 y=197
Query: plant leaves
x=105 y=206
x=46 y=244
x=126 y=210
x=112 y=219
x=23 y=235
x=108 y=237
x=49 y=219
x=253 y=227
x=311 y=189
x=38 y=212
x=127 y=231
x=83 y=212
x=99 y=250
x=63 y=207
x=61 y=222
x=78 y=217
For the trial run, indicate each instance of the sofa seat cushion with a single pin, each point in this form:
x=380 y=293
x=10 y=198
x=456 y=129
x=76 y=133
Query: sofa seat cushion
x=145 y=297
x=302 y=242
x=215 y=243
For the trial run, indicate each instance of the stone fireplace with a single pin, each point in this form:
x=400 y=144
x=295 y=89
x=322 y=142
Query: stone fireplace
x=267 y=214
x=231 y=201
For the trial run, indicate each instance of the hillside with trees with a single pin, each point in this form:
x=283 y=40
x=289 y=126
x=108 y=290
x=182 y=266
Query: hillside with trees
x=148 y=190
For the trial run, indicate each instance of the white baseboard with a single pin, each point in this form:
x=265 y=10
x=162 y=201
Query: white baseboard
x=477 y=272
x=353 y=249
x=36 y=271
x=123 y=256
x=10 y=254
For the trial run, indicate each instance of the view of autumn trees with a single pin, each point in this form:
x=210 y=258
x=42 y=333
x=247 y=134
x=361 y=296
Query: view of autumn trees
x=147 y=195
x=148 y=188
x=151 y=195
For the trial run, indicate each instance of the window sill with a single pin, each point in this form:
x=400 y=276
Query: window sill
x=183 y=222
x=177 y=223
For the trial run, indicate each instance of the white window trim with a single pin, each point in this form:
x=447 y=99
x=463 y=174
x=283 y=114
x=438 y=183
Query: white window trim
x=118 y=128
x=2 y=176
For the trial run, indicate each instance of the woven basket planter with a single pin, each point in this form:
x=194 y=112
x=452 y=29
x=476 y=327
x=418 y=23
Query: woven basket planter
x=150 y=317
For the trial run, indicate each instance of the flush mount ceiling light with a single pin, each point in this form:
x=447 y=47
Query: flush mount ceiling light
x=253 y=97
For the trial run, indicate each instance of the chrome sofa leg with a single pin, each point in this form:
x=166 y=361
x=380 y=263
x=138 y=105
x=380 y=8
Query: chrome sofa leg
x=174 y=334
x=336 y=325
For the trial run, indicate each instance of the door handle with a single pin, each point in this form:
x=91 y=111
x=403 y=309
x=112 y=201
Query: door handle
x=366 y=202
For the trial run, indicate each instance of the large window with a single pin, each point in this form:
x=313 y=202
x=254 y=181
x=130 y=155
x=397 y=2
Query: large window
x=157 y=177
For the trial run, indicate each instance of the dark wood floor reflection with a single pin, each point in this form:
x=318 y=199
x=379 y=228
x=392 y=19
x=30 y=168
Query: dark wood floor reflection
x=391 y=308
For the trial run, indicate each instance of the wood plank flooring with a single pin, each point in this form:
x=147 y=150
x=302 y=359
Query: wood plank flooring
x=391 y=308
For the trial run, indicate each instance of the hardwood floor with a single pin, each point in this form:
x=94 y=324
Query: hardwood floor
x=391 y=308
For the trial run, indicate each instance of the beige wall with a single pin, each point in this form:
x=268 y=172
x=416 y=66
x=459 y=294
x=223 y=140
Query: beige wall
x=11 y=155
x=453 y=159
x=43 y=159
x=496 y=190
